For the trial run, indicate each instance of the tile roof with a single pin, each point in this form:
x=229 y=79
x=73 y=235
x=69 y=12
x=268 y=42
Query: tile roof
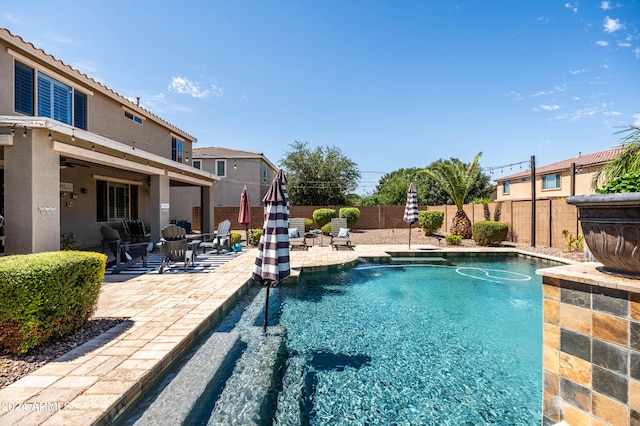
x=52 y=60
x=221 y=152
x=594 y=159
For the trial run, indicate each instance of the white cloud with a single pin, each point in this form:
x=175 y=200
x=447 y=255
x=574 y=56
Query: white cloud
x=612 y=25
x=574 y=72
x=216 y=90
x=605 y=5
x=602 y=43
x=636 y=51
x=549 y=107
x=541 y=93
x=186 y=87
x=636 y=119
x=576 y=115
x=624 y=45
x=575 y=98
x=572 y=7
x=611 y=113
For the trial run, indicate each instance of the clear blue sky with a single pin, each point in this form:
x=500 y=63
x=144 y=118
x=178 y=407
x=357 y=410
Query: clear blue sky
x=393 y=84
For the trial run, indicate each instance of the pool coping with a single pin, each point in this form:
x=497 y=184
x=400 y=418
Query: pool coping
x=95 y=382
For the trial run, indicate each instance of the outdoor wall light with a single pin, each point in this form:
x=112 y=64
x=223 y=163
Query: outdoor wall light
x=49 y=135
x=24 y=134
x=73 y=134
x=13 y=131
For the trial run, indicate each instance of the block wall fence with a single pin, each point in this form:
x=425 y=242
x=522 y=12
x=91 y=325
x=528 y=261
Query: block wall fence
x=552 y=216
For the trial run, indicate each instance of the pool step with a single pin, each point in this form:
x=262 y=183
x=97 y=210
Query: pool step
x=184 y=388
x=419 y=259
x=250 y=392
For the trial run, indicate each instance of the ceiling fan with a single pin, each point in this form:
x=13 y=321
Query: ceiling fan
x=64 y=163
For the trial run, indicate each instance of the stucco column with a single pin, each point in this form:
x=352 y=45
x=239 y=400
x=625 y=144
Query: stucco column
x=160 y=203
x=207 y=212
x=31 y=194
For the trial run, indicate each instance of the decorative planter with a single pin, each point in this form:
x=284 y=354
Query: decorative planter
x=611 y=229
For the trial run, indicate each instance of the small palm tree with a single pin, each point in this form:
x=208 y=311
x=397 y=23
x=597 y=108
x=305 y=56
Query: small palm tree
x=456 y=179
x=628 y=161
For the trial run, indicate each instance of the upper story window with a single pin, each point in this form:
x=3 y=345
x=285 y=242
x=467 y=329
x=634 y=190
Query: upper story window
x=39 y=93
x=197 y=164
x=176 y=149
x=551 y=182
x=221 y=168
x=505 y=188
x=264 y=173
x=132 y=116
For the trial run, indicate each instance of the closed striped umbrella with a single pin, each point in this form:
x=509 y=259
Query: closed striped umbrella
x=244 y=214
x=272 y=263
x=411 y=209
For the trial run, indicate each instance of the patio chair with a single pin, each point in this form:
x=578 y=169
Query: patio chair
x=176 y=247
x=297 y=233
x=124 y=254
x=136 y=230
x=340 y=233
x=219 y=240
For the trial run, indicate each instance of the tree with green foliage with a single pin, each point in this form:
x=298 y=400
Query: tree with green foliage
x=392 y=188
x=457 y=179
x=626 y=163
x=319 y=177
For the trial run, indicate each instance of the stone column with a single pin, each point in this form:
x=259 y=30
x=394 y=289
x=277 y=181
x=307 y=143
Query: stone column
x=32 y=194
x=160 y=203
x=208 y=223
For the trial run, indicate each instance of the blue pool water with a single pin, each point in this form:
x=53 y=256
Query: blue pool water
x=416 y=344
x=409 y=344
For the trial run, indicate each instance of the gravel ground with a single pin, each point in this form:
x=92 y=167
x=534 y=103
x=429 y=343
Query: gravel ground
x=13 y=367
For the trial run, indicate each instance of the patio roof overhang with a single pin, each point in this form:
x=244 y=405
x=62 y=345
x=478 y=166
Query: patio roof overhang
x=105 y=151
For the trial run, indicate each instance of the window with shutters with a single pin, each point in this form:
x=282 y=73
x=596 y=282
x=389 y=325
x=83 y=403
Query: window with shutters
x=36 y=92
x=176 y=150
x=116 y=201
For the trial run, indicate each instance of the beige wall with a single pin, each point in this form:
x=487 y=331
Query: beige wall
x=520 y=189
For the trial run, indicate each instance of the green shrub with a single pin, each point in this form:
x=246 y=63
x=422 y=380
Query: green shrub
x=430 y=221
x=352 y=215
x=46 y=295
x=453 y=240
x=307 y=224
x=326 y=229
x=68 y=242
x=253 y=236
x=488 y=233
x=626 y=183
x=323 y=216
x=573 y=243
x=235 y=237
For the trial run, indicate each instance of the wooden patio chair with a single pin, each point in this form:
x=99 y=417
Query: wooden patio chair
x=176 y=247
x=219 y=240
x=125 y=254
x=136 y=230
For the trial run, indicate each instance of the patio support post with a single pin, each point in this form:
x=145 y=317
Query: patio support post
x=207 y=218
x=32 y=194
x=160 y=205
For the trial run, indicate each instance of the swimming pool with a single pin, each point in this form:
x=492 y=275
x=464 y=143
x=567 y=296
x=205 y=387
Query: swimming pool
x=378 y=344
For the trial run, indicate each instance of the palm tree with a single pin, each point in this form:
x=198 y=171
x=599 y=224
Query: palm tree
x=456 y=179
x=628 y=161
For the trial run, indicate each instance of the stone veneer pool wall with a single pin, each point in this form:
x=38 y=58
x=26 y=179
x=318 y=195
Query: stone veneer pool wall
x=591 y=347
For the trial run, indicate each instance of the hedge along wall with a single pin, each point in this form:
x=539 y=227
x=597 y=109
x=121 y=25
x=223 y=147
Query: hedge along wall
x=552 y=216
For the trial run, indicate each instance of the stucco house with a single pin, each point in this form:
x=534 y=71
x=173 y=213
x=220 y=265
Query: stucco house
x=235 y=169
x=75 y=155
x=561 y=179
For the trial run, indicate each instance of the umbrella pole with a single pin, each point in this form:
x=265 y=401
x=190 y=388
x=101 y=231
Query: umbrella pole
x=409 y=235
x=266 y=309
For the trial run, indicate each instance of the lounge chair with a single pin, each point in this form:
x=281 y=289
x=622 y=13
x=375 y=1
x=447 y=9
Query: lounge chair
x=219 y=240
x=297 y=233
x=340 y=233
x=176 y=247
x=124 y=254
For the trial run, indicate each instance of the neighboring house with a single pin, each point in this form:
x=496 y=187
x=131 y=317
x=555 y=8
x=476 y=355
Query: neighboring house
x=235 y=169
x=75 y=155
x=562 y=179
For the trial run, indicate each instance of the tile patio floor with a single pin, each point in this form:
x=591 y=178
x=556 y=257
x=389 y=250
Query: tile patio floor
x=94 y=382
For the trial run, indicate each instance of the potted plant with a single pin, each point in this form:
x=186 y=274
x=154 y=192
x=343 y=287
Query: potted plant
x=610 y=218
